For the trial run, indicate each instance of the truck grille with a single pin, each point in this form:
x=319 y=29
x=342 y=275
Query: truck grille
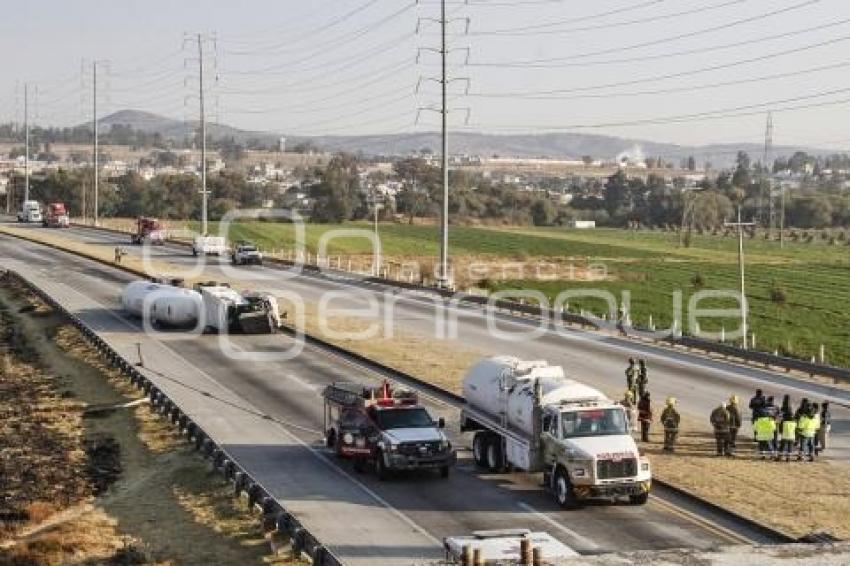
x=419 y=448
x=610 y=469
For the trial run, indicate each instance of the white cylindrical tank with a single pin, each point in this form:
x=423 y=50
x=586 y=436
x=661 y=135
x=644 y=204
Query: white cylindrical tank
x=166 y=304
x=504 y=385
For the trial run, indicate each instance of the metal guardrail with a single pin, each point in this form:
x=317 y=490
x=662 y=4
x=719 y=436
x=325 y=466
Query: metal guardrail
x=765 y=358
x=274 y=516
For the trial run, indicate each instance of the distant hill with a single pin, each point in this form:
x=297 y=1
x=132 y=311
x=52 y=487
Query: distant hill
x=560 y=145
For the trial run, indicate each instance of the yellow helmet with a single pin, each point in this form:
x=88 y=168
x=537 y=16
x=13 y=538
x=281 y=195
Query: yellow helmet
x=733 y=399
x=629 y=394
x=671 y=401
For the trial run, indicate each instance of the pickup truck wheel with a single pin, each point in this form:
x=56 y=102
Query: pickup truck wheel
x=495 y=458
x=330 y=439
x=640 y=499
x=563 y=490
x=194 y=252
x=380 y=467
x=444 y=472
x=479 y=449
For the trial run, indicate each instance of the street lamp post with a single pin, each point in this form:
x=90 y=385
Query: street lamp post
x=740 y=225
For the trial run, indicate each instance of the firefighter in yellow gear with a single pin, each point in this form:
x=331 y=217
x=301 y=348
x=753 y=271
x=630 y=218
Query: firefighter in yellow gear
x=670 y=420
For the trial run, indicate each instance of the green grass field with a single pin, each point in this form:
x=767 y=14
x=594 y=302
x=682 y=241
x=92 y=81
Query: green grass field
x=814 y=277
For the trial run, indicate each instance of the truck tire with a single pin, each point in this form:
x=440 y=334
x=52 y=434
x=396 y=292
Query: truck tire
x=444 y=472
x=479 y=449
x=495 y=455
x=640 y=499
x=381 y=467
x=563 y=489
x=194 y=252
x=330 y=438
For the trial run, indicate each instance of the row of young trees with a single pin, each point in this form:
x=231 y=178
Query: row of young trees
x=337 y=195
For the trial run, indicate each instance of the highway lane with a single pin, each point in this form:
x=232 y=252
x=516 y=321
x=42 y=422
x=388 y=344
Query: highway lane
x=289 y=392
x=698 y=382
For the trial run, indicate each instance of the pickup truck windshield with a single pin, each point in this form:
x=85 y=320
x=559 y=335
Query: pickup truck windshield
x=248 y=249
x=593 y=422
x=403 y=418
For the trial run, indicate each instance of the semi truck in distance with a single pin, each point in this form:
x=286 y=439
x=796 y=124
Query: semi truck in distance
x=148 y=230
x=56 y=216
x=30 y=212
x=386 y=428
x=217 y=307
x=527 y=415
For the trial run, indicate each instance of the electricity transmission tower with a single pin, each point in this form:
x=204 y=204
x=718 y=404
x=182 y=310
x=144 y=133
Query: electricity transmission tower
x=443 y=275
x=767 y=184
x=201 y=40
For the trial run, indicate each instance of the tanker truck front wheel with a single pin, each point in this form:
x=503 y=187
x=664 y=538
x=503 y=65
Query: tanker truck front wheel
x=563 y=489
x=639 y=499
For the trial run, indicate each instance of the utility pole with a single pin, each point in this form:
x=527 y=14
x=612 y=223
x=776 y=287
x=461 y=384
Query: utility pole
x=443 y=280
x=782 y=217
x=96 y=150
x=741 y=226
x=26 y=143
x=377 y=237
x=203 y=124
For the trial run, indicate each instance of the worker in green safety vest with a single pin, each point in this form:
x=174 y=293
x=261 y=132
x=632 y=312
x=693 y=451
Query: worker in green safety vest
x=808 y=425
x=764 y=428
x=788 y=430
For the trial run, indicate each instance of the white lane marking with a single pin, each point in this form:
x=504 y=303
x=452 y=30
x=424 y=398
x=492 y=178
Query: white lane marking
x=303 y=383
x=407 y=520
x=581 y=539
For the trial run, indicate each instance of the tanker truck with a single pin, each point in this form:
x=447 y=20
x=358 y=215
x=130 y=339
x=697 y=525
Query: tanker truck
x=163 y=304
x=217 y=307
x=527 y=415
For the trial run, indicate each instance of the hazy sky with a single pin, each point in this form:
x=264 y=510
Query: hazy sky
x=641 y=68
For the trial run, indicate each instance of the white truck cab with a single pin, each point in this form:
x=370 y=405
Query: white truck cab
x=528 y=415
x=30 y=212
x=208 y=245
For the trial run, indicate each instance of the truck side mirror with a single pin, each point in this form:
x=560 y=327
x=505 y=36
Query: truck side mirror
x=441 y=423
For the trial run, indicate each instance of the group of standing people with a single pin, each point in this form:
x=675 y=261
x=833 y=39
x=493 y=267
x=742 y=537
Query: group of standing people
x=638 y=404
x=778 y=431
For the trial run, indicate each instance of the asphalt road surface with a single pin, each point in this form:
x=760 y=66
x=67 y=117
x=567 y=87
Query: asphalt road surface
x=394 y=522
x=698 y=383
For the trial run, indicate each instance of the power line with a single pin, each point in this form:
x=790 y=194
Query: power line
x=314 y=32
x=668 y=39
x=733 y=112
x=539 y=28
x=346 y=61
x=677 y=74
x=688 y=88
x=308 y=109
x=615 y=11
x=644 y=58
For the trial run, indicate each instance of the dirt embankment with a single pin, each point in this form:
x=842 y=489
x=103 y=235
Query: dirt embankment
x=88 y=474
